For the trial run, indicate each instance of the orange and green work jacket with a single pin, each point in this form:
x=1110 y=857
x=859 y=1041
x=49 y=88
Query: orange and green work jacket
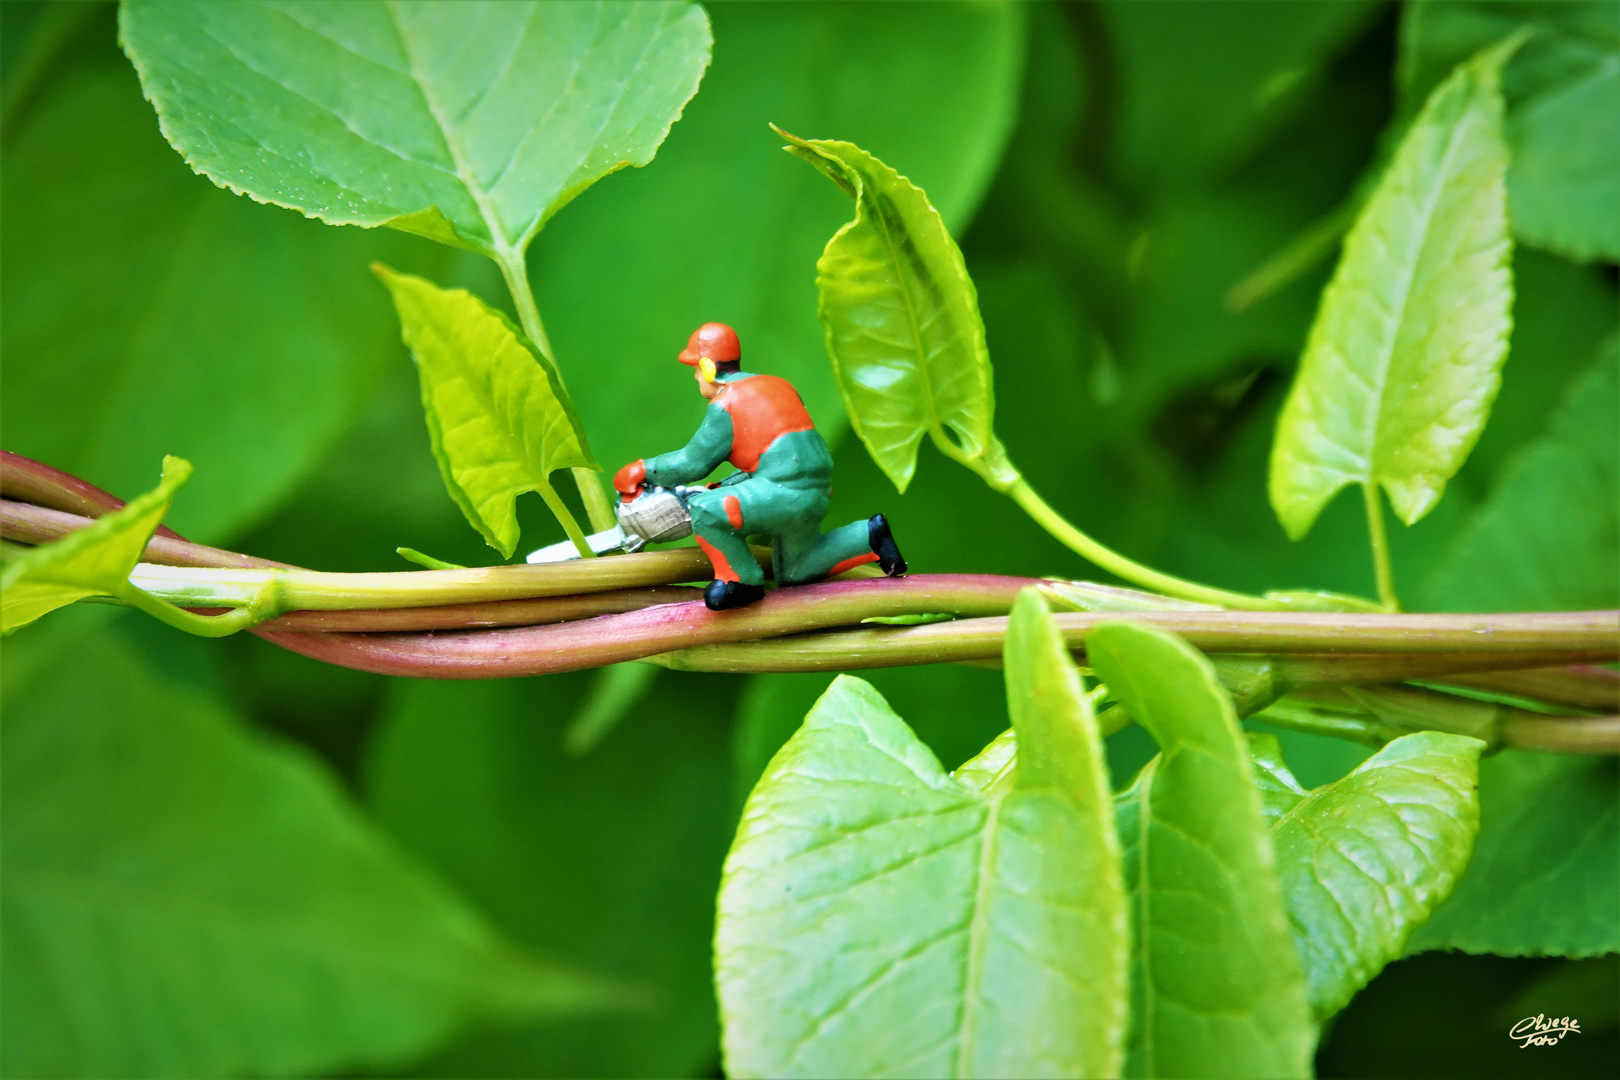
x=758 y=423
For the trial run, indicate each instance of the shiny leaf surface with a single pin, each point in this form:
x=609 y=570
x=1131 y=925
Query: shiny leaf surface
x=902 y=322
x=1365 y=860
x=936 y=925
x=1217 y=988
x=1404 y=359
x=468 y=123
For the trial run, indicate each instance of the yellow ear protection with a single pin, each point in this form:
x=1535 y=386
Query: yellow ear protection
x=706 y=366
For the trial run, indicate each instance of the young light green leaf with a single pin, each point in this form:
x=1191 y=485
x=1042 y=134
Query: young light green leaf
x=902 y=322
x=1060 y=753
x=468 y=123
x=498 y=416
x=1545 y=879
x=93 y=561
x=1548 y=538
x=1364 y=861
x=184 y=898
x=1563 y=110
x=879 y=917
x=1404 y=358
x=1217 y=988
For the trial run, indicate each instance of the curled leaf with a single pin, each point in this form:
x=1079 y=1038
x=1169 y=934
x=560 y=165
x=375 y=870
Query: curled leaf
x=902 y=322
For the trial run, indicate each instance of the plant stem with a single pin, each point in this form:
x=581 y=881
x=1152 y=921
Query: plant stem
x=1380 y=548
x=514 y=268
x=1492 y=642
x=1128 y=569
x=1563 y=734
x=560 y=510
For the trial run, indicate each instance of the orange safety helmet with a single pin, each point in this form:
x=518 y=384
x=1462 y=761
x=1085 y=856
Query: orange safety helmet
x=711 y=341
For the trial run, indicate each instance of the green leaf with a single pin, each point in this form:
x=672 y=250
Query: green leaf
x=184 y=898
x=1548 y=538
x=1563 y=102
x=93 y=561
x=497 y=413
x=881 y=917
x=148 y=312
x=1217 y=987
x=1545 y=880
x=610 y=860
x=1405 y=355
x=1365 y=860
x=902 y=322
x=470 y=124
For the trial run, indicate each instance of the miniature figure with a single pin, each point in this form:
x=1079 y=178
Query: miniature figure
x=781 y=488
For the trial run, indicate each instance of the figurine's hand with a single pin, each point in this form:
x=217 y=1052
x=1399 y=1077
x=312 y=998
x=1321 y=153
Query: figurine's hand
x=630 y=478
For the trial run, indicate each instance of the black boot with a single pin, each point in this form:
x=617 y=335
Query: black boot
x=883 y=546
x=724 y=595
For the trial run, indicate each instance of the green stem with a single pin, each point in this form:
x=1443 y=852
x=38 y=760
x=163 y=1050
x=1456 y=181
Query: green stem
x=264 y=606
x=597 y=507
x=1380 y=548
x=570 y=526
x=1128 y=569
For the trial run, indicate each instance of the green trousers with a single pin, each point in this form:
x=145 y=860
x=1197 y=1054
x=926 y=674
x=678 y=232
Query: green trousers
x=790 y=514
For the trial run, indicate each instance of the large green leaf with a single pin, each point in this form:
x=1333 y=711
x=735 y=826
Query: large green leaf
x=610 y=860
x=881 y=917
x=726 y=226
x=1405 y=355
x=902 y=322
x=1548 y=538
x=93 y=561
x=1545 y=880
x=1366 y=859
x=1563 y=119
x=497 y=414
x=183 y=898
x=471 y=123
x=1217 y=986
x=148 y=312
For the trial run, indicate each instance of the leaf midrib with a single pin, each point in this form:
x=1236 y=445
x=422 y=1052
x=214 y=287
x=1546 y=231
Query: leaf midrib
x=1387 y=349
x=503 y=247
x=978 y=931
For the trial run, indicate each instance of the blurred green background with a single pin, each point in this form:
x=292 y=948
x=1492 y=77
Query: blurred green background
x=1112 y=171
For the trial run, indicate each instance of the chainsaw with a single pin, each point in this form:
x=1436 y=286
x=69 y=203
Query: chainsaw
x=656 y=515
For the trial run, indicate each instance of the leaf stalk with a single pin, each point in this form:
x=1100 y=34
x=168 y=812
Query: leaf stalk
x=515 y=270
x=1124 y=568
x=1380 y=548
